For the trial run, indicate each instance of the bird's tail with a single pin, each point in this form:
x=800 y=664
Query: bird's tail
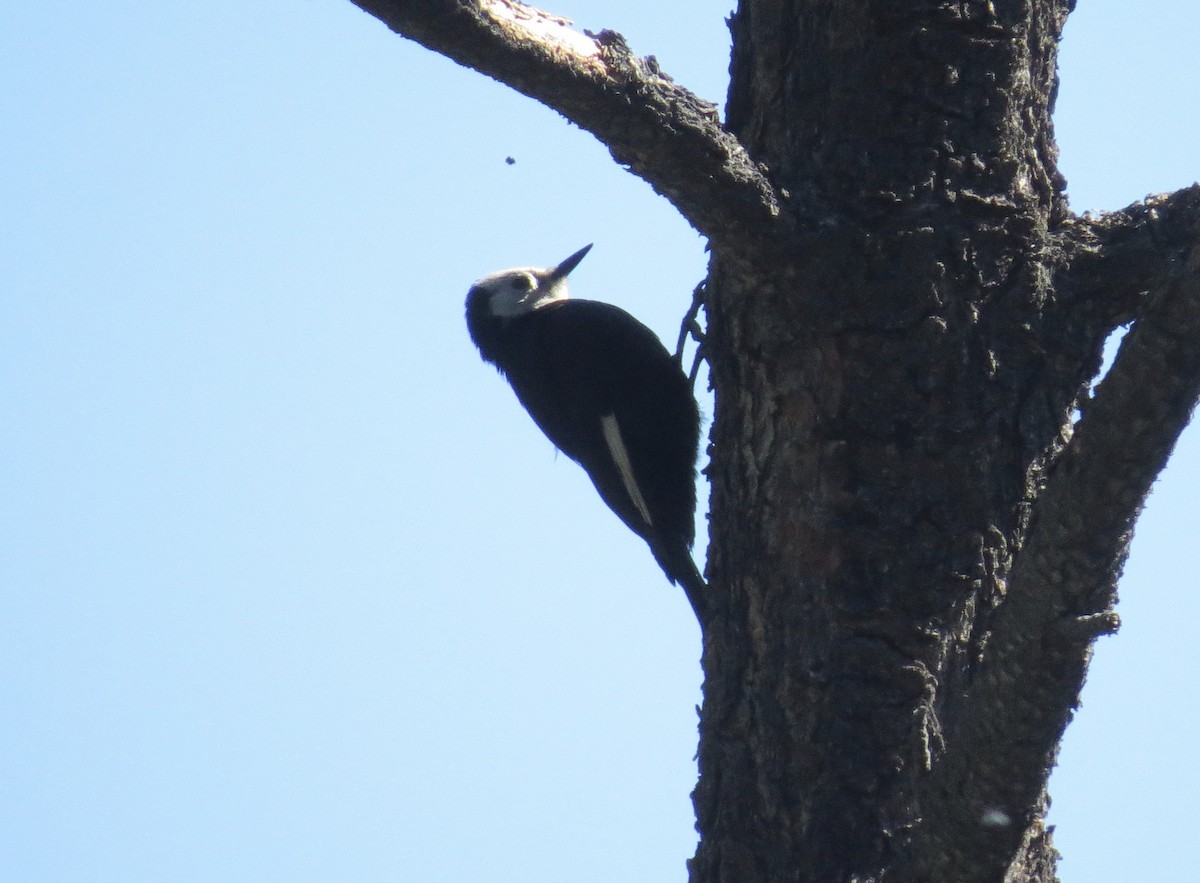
x=676 y=561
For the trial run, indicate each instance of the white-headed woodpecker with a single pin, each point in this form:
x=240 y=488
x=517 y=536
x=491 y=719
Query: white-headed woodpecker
x=607 y=394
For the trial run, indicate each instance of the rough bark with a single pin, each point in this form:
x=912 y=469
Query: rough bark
x=915 y=540
x=658 y=130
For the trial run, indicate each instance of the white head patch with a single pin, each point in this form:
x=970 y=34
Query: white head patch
x=522 y=290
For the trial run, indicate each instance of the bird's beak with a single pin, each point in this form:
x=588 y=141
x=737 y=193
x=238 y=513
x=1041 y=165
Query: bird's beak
x=561 y=271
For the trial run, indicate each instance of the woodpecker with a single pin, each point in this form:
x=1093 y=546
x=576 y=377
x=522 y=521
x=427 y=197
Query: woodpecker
x=606 y=392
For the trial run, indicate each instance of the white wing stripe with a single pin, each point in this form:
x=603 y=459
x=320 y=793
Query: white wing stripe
x=620 y=455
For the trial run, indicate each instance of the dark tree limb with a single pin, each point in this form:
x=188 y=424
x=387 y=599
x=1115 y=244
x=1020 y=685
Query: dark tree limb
x=660 y=131
x=1116 y=259
x=1004 y=733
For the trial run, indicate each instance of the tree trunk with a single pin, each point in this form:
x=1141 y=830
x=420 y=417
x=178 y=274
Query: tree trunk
x=887 y=401
x=915 y=537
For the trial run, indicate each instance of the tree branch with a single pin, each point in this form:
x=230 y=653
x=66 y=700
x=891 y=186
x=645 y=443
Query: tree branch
x=1116 y=259
x=660 y=131
x=1003 y=733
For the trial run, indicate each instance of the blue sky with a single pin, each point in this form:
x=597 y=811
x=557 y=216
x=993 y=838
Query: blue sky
x=291 y=588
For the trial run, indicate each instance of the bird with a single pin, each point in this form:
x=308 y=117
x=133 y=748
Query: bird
x=606 y=392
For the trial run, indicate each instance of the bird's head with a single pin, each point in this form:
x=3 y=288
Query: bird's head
x=508 y=294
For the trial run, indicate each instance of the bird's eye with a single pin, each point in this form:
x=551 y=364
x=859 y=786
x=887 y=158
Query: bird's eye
x=521 y=283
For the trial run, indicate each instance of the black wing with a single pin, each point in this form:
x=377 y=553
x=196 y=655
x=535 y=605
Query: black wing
x=584 y=362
